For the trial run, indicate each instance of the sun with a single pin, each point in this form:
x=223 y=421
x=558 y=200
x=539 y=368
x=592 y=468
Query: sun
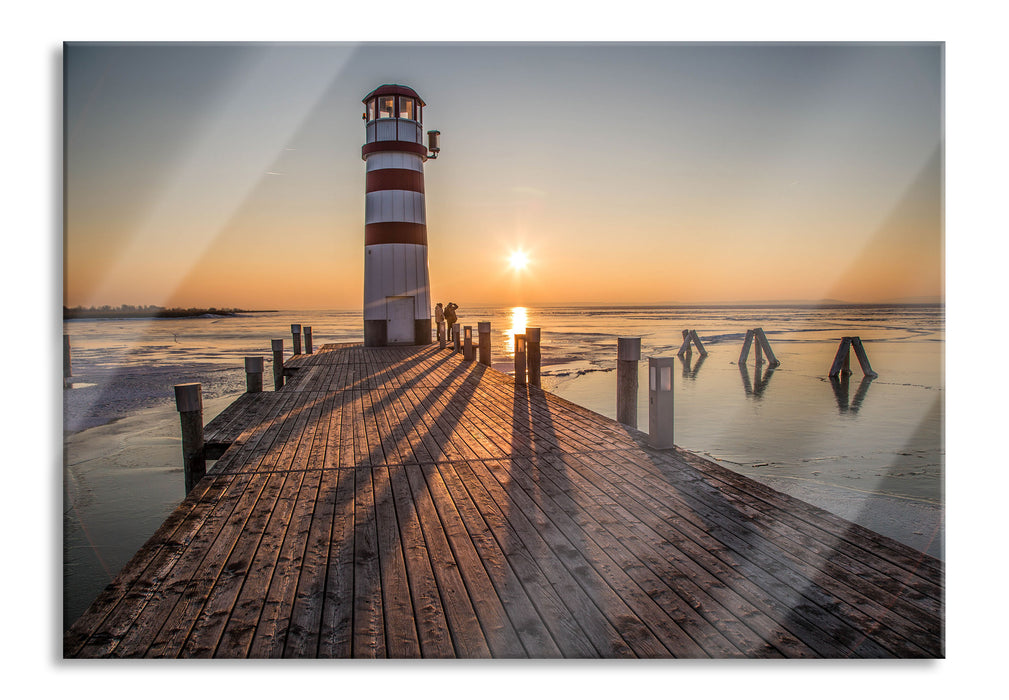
x=518 y=260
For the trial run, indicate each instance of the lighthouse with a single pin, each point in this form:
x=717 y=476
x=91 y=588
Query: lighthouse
x=397 y=291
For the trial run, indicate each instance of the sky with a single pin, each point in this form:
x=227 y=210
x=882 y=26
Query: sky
x=230 y=174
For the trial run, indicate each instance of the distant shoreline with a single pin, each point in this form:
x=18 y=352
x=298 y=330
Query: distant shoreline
x=154 y=312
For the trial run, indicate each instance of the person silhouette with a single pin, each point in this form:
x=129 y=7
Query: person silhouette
x=450 y=317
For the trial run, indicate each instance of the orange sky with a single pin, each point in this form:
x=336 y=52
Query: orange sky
x=231 y=176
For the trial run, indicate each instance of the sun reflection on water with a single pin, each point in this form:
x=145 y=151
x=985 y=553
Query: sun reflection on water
x=520 y=318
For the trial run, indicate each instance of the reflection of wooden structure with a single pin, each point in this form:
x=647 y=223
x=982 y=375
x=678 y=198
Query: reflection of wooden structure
x=756 y=337
x=840 y=386
x=691 y=372
x=762 y=378
x=842 y=360
x=690 y=336
x=402 y=502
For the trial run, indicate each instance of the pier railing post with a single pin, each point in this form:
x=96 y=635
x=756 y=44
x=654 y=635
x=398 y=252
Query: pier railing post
x=520 y=359
x=628 y=355
x=483 y=328
x=253 y=374
x=308 y=340
x=278 y=363
x=67 y=370
x=296 y=334
x=660 y=402
x=467 y=343
x=533 y=355
x=456 y=347
x=189 y=402
x=441 y=335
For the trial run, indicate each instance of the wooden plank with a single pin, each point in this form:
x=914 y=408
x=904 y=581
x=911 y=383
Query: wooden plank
x=401 y=502
x=429 y=613
x=467 y=636
x=531 y=627
x=645 y=625
x=685 y=346
x=137 y=637
x=597 y=604
x=336 y=627
x=121 y=602
x=369 y=617
x=796 y=583
x=677 y=522
x=576 y=624
x=697 y=342
x=497 y=628
x=400 y=623
x=685 y=604
x=863 y=359
x=842 y=353
x=745 y=352
x=236 y=601
x=753 y=632
x=301 y=497
x=762 y=340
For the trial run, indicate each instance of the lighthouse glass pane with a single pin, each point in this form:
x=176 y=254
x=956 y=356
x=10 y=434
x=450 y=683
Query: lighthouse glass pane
x=406 y=108
x=371 y=110
x=386 y=105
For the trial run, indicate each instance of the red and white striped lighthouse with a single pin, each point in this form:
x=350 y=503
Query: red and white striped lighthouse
x=397 y=292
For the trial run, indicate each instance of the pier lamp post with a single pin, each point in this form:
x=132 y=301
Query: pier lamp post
x=660 y=402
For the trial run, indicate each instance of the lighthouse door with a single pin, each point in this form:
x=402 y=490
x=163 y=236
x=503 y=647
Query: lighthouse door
x=399 y=314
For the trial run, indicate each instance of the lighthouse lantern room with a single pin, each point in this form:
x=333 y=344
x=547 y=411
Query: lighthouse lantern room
x=397 y=292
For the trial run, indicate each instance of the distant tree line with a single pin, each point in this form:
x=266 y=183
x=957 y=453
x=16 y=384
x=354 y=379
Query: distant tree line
x=150 y=311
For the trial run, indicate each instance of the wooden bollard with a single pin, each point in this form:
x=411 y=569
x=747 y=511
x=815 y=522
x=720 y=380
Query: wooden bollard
x=308 y=339
x=520 y=359
x=533 y=355
x=278 y=363
x=296 y=334
x=628 y=355
x=253 y=375
x=660 y=402
x=67 y=370
x=189 y=402
x=441 y=335
x=483 y=329
x=457 y=343
x=467 y=343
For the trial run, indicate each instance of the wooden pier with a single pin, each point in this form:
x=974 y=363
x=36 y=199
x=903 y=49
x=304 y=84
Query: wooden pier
x=404 y=502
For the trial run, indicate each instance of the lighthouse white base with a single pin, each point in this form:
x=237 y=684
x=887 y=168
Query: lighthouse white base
x=397 y=299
